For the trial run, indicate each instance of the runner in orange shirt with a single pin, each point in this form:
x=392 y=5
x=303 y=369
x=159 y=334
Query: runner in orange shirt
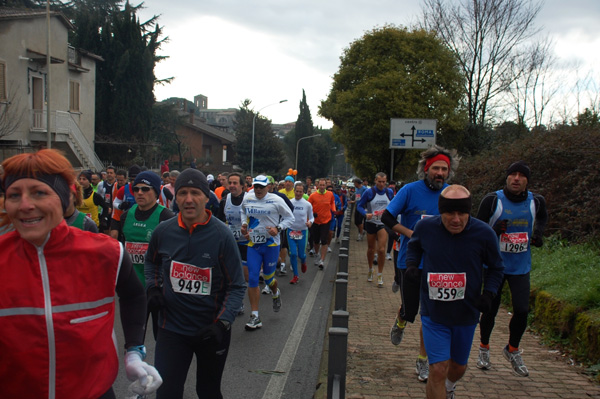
x=323 y=204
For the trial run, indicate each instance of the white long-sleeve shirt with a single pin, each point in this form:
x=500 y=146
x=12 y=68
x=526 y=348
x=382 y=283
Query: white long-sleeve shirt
x=260 y=214
x=303 y=212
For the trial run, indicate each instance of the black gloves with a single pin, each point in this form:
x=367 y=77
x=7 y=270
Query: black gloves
x=500 y=227
x=484 y=302
x=125 y=205
x=215 y=332
x=156 y=299
x=537 y=240
x=413 y=274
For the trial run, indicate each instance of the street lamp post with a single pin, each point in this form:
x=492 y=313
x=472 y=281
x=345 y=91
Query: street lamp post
x=298 y=142
x=253 y=127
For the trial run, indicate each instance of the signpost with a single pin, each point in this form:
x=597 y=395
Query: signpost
x=407 y=134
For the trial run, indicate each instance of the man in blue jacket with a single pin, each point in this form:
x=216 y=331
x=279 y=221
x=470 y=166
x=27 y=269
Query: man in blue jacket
x=453 y=248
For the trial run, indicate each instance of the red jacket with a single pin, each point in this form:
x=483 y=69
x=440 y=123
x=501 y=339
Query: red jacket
x=56 y=315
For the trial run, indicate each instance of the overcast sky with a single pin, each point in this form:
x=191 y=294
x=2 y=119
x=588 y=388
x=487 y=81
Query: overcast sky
x=269 y=50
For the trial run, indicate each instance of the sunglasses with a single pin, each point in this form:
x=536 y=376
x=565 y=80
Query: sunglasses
x=144 y=189
x=259 y=186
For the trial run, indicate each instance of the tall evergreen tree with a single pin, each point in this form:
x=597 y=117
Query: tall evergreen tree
x=268 y=150
x=313 y=153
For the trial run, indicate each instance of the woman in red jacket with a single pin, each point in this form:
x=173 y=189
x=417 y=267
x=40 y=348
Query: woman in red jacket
x=57 y=301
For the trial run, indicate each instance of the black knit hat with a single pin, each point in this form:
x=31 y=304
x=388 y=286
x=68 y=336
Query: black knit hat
x=519 y=166
x=192 y=178
x=134 y=170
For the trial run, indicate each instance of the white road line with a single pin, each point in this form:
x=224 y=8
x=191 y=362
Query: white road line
x=277 y=382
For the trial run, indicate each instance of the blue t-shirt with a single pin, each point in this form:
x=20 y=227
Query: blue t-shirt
x=413 y=202
x=514 y=244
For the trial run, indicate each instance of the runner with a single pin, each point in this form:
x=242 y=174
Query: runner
x=339 y=214
x=124 y=199
x=453 y=249
x=323 y=203
x=298 y=231
x=58 y=293
x=92 y=200
x=359 y=219
x=264 y=216
x=194 y=279
x=288 y=187
x=416 y=201
x=372 y=205
x=107 y=189
x=75 y=218
x=518 y=217
x=229 y=213
x=137 y=223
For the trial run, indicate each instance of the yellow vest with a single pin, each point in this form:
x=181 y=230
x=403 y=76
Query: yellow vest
x=90 y=209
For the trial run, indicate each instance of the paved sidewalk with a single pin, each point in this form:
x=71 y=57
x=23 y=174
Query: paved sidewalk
x=376 y=368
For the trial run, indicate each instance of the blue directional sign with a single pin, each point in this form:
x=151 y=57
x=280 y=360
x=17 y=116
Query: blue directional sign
x=412 y=133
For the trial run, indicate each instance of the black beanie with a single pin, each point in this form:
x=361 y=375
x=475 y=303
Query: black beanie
x=519 y=166
x=192 y=178
x=134 y=170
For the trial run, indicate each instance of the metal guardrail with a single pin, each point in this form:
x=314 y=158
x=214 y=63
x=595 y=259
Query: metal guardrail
x=338 y=333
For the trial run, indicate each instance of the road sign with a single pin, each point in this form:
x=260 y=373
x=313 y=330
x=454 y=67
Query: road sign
x=412 y=133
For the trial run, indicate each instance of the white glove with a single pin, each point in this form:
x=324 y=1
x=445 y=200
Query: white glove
x=147 y=380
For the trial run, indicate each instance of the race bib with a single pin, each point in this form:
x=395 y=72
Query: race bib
x=296 y=235
x=237 y=232
x=107 y=198
x=446 y=287
x=189 y=279
x=425 y=216
x=377 y=214
x=514 y=243
x=137 y=251
x=357 y=197
x=259 y=235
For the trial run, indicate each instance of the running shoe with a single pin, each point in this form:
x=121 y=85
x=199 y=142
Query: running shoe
x=370 y=275
x=317 y=261
x=311 y=252
x=388 y=256
x=266 y=290
x=241 y=310
x=294 y=280
x=282 y=270
x=395 y=287
x=422 y=369
x=328 y=250
x=321 y=265
x=483 y=362
x=450 y=394
x=397 y=332
x=516 y=362
x=380 y=281
x=303 y=267
x=253 y=323
x=360 y=237
x=277 y=301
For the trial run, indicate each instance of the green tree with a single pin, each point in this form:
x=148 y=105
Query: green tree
x=313 y=154
x=391 y=73
x=268 y=150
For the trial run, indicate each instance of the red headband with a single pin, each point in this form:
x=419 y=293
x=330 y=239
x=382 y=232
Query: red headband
x=438 y=157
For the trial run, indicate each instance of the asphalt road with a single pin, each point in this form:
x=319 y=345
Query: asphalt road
x=280 y=360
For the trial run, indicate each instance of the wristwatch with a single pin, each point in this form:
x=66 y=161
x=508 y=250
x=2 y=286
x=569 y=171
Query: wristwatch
x=226 y=324
x=279 y=229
